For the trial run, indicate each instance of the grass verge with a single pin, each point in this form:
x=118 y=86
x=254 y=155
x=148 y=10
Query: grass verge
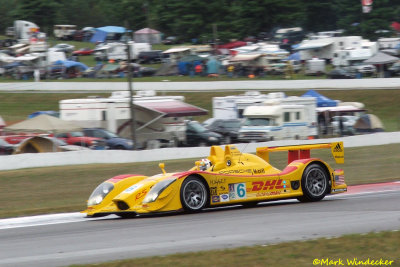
x=383 y=103
x=66 y=188
x=348 y=250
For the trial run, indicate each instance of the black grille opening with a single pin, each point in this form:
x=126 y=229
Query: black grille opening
x=122 y=205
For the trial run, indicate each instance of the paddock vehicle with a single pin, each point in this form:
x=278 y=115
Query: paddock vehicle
x=227 y=176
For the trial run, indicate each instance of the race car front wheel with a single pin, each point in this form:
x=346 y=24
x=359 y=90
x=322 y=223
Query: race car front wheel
x=315 y=183
x=194 y=194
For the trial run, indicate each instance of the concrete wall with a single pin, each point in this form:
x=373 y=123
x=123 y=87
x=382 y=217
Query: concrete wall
x=117 y=156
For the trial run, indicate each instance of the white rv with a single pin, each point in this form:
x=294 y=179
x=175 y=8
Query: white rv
x=159 y=119
x=288 y=118
x=64 y=32
x=118 y=51
x=232 y=107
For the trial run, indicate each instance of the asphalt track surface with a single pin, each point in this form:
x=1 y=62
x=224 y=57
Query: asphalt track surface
x=64 y=239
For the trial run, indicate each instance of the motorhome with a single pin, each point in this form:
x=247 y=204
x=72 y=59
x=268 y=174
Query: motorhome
x=232 y=107
x=117 y=51
x=324 y=48
x=64 y=32
x=159 y=120
x=276 y=119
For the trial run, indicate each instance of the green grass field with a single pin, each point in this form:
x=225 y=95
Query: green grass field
x=345 y=251
x=66 y=188
x=383 y=103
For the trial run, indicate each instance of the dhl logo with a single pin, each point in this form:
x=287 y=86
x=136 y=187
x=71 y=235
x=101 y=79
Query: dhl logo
x=269 y=185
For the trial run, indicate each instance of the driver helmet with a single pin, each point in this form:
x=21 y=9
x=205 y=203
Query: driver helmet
x=205 y=164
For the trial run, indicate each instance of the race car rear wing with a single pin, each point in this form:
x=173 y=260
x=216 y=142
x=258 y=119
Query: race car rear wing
x=303 y=151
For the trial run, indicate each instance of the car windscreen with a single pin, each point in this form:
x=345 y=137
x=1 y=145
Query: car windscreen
x=77 y=134
x=258 y=122
x=197 y=127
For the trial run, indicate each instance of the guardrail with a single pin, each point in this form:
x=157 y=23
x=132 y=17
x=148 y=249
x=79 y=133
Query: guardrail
x=33 y=160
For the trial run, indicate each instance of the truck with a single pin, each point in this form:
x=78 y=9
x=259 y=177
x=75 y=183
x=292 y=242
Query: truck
x=159 y=120
x=277 y=119
x=117 y=51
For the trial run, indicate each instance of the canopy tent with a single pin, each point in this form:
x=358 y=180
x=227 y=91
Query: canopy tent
x=314 y=44
x=172 y=108
x=381 y=59
x=244 y=57
x=101 y=33
x=69 y=63
x=43 y=124
x=148 y=35
x=322 y=101
x=368 y=123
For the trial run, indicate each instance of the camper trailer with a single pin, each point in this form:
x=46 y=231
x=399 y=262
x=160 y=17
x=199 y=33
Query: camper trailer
x=117 y=51
x=64 y=32
x=232 y=107
x=276 y=119
x=159 y=119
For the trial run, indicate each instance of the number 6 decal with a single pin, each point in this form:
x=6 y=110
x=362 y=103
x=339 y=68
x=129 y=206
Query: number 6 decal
x=241 y=190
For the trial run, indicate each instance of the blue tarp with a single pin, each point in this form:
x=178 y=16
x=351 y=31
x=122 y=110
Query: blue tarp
x=101 y=33
x=213 y=66
x=322 y=101
x=70 y=63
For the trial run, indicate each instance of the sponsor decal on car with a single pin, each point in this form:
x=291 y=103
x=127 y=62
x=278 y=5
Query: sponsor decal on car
x=132 y=188
x=215 y=199
x=237 y=191
x=224 y=197
x=269 y=185
x=213 y=191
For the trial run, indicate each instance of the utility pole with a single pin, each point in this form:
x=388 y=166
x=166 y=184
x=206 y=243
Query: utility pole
x=215 y=36
x=130 y=88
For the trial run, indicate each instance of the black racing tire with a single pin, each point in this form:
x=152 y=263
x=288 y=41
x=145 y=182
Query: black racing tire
x=315 y=183
x=194 y=194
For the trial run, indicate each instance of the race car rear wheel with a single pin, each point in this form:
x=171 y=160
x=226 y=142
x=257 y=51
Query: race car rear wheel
x=315 y=183
x=194 y=194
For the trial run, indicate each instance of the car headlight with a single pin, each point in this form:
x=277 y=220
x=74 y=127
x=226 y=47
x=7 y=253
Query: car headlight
x=130 y=143
x=100 y=193
x=212 y=138
x=265 y=134
x=156 y=190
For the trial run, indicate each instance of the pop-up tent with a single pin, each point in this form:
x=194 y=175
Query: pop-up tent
x=322 y=101
x=101 y=33
x=43 y=124
x=368 y=123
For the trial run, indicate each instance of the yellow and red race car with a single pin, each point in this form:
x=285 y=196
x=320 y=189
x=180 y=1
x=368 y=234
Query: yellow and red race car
x=225 y=177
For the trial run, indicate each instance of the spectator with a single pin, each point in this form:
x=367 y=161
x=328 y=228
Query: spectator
x=230 y=70
x=198 y=69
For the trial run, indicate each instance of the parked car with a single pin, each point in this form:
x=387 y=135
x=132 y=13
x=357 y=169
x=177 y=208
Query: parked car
x=229 y=128
x=394 y=69
x=170 y=40
x=79 y=139
x=83 y=52
x=198 y=135
x=364 y=69
x=113 y=141
x=348 y=122
x=150 y=57
x=6 y=148
x=341 y=74
x=67 y=48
